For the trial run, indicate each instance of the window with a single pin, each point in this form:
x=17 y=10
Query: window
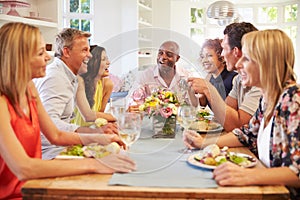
x=290 y=13
x=245 y=14
x=197 y=34
x=78 y=14
x=267 y=15
x=282 y=16
x=197 y=19
x=197 y=15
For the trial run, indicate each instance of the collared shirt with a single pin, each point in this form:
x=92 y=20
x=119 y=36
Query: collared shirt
x=247 y=97
x=151 y=75
x=57 y=91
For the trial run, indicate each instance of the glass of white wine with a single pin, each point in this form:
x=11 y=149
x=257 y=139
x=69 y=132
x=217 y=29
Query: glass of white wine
x=129 y=125
x=187 y=115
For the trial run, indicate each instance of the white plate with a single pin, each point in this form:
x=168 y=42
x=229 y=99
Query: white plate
x=218 y=128
x=66 y=157
x=191 y=160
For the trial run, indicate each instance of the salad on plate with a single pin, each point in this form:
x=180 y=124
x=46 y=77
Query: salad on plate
x=89 y=151
x=205 y=122
x=212 y=156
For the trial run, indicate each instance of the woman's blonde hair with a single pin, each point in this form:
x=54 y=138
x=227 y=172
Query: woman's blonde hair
x=273 y=51
x=19 y=42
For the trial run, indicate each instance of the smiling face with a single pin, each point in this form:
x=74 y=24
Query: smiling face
x=167 y=56
x=248 y=70
x=78 y=55
x=231 y=56
x=210 y=61
x=39 y=60
x=104 y=65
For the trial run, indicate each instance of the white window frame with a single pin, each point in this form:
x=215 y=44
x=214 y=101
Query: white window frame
x=67 y=16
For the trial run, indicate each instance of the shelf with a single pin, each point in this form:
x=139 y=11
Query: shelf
x=145 y=20
x=144 y=7
x=40 y=23
x=145 y=23
x=144 y=39
x=13 y=5
x=145 y=55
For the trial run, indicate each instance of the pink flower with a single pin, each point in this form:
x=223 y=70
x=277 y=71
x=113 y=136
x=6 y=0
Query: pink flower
x=166 y=112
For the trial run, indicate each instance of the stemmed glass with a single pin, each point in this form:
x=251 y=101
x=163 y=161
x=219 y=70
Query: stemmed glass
x=139 y=96
x=183 y=87
x=117 y=107
x=186 y=116
x=129 y=125
x=151 y=87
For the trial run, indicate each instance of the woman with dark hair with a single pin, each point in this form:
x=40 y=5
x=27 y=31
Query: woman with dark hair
x=215 y=65
x=95 y=85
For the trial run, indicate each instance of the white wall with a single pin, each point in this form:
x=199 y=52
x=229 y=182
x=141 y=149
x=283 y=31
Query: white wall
x=116 y=29
x=161 y=13
x=180 y=17
x=107 y=20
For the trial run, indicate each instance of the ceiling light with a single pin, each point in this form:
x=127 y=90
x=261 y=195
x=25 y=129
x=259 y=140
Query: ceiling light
x=221 y=10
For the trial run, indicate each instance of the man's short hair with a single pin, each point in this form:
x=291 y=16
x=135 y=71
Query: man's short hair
x=66 y=38
x=235 y=32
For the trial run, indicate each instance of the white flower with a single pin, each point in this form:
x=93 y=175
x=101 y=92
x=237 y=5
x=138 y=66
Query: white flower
x=174 y=108
x=142 y=107
x=100 y=122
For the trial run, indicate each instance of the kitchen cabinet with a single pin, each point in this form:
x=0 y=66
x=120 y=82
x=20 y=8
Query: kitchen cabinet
x=44 y=14
x=145 y=26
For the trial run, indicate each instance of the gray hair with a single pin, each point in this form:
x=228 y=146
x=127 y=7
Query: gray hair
x=66 y=38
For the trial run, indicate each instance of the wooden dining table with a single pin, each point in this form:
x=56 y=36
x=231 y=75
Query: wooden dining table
x=96 y=186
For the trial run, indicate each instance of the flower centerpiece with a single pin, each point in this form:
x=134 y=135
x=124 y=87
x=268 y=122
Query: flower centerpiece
x=162 y=106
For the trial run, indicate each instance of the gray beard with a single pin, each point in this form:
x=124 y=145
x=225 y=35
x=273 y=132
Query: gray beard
x=165 y=70
x=167 y=73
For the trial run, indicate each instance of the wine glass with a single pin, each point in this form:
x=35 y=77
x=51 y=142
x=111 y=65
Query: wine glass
x=183 y=87
x=186 y=116
x=151 y=87
x=117 y=106
x=129 y=125
x=139 y=96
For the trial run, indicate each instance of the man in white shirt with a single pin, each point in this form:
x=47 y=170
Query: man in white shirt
x=165 y=74
x=58 y=88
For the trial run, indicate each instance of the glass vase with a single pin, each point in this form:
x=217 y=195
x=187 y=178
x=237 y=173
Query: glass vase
x=164 y=127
